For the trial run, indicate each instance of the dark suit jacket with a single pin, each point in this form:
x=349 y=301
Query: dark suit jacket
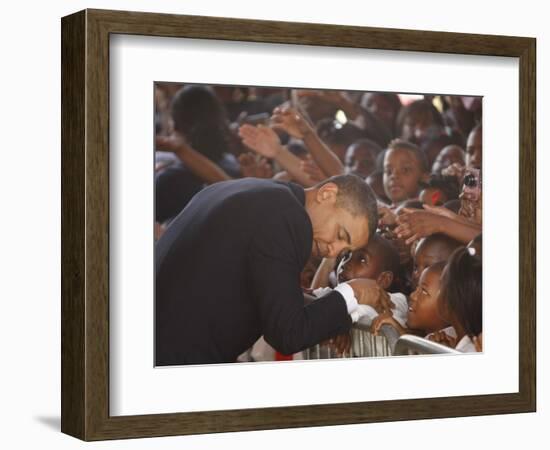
x=228 y=271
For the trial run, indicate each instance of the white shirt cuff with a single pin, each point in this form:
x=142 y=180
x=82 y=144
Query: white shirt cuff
x=347 y=292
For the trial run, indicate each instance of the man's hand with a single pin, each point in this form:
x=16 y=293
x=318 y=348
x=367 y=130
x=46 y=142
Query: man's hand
x=290 y=121
x=263 y=140
x=367 y=292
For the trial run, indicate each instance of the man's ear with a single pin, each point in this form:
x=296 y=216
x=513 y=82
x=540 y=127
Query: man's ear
x=385 y=279
x=327 y=192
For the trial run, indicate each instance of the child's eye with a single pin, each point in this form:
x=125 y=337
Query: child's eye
x=363 y=260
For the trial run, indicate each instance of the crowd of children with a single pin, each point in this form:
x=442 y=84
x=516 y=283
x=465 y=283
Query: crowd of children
x=421 y=155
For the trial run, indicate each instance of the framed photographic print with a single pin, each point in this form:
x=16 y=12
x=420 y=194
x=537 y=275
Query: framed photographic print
x=271 y=225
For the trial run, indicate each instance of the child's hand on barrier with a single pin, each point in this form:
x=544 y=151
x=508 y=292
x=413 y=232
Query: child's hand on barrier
x=385 y=318
x=443 y=338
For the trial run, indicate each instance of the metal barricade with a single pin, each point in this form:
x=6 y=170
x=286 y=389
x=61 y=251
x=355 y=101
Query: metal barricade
x=409 y=343
x=364 y=344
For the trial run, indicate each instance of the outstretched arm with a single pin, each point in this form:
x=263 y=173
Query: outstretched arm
x=416 y=224
x=264 y=141
x=199 y=164
x=289 y=120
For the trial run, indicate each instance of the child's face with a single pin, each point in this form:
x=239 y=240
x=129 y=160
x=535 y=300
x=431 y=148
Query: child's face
x=379 y=106
x=402 y=175
x=423 y=304
x=449 y=155
x=473 y=149
x=417 y=127
x=426 y=254
x=360 y=160
x=363 y=263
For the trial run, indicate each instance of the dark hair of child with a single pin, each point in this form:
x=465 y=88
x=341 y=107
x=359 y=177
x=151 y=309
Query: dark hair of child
x=461 y=291
x=433 y=145
x=297 y=148
x=448 y=185
x=452 y=205
x=199 y=115
x=334 y=133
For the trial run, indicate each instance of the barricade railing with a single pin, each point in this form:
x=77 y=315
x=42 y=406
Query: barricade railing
x=365 y=344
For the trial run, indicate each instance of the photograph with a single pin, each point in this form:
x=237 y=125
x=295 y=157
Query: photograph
x=296 y=223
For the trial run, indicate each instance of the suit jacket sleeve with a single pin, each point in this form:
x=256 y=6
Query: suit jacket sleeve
x=276 y=258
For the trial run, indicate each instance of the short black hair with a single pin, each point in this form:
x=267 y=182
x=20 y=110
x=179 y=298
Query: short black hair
x=414 y=149
x=446 y=184
x=461 y=290
x=355 y=196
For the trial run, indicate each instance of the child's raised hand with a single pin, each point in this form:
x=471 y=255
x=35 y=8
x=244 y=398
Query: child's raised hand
x=172 y=143
x=251 y=167
x=387 y=218
x=263 y=140
x=290 y=121
x=312 y=170
x=414 y=224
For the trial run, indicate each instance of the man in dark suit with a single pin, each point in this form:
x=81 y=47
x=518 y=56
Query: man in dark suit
x=228 y=268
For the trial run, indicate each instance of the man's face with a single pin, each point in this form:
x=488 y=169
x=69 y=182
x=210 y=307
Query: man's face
x=335 y=229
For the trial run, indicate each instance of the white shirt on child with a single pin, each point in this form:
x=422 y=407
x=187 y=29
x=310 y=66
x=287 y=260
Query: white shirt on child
x=465 y=345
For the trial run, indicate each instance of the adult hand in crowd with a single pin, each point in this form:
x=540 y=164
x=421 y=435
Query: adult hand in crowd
x=261 y=139
x=290 y=121
x=368 y=292
x=414 y=224
x=253 y=167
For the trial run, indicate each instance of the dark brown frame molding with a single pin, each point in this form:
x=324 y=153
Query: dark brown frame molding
x=85 y=224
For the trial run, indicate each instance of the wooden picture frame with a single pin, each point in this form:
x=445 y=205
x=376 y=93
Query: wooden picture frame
x=85 y=224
